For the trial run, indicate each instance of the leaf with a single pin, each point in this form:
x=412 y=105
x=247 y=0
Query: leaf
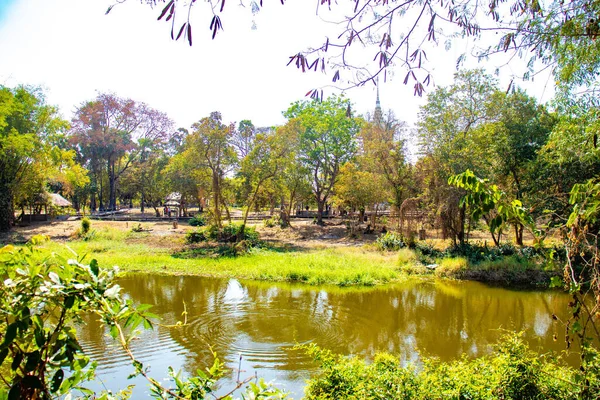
x=222 y=5
x=17 y=359
x=69 y=302
x=33 y=359
x=181 y=30
x=94 y=267
x=15 y=391
x=164 y=11
x=109 y=8
x=10 y=335
x=189 y=33
x=31 y=381
x=3 y=354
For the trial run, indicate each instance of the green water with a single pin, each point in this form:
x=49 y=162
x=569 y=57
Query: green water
x=262 y=321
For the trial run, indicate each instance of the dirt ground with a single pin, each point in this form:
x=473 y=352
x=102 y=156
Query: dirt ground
x=302 y=233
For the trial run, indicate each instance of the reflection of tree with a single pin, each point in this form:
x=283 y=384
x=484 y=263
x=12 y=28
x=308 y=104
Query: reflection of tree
x=263 y=320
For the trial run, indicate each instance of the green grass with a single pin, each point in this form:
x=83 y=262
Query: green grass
x=345 y=266
x=342 y=266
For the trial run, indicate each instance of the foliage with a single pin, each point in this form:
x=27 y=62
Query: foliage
x=85 y=231
x=209 y=146
x=326 y=140
x=86 y=224
x=487 y=201
x=28 y=132
x=229 y=233
x=390 y=241
x=42 y=302
x=109 y=134
x=357 y=189
x=272 y=222
x=512 y=371
x=197 y=220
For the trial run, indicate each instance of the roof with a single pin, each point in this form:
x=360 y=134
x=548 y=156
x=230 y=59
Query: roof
x=58 y=200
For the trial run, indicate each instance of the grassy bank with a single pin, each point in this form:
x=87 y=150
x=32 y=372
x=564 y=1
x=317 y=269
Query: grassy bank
x=139 y=252
x=167 y=252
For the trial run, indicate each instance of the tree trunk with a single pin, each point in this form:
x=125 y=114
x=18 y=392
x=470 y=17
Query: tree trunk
x=461 y=225
x=519 y=234
x=320 y=207
x=216 y=198
x=7 y=214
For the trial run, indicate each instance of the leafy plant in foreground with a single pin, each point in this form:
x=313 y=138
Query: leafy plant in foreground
x=41 y=302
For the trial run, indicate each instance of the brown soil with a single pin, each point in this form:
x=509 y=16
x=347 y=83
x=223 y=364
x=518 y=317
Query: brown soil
x=302 y=234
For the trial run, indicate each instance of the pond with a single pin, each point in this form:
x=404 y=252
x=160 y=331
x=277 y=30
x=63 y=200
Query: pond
x=261 y=322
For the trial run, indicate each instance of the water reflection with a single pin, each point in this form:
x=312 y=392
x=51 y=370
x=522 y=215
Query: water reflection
x=262 y=321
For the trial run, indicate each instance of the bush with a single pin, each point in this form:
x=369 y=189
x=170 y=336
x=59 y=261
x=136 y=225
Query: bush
x=390 y=241
x=272 y=222
x=197 y=220
x=228 y=234
x=512 y=371
x=85 y=232
x=452 y=267
x=86 y=224
x=195 y=236
x=41 y=305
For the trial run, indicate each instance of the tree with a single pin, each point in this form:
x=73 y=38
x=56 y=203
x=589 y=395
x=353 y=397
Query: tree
x=358 y=189
x=383 y=152
x=397 y=32
x=262 y=163
x=486 y=201
x=27 y=125
x=110 y=133
x=520 y=130
x=326 y=140
x=209 y=146
x=448 y=129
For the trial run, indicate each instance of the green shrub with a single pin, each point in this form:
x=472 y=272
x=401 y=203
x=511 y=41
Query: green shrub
x=197 y=220
x=195 y=236
x=512 y=371
x=228 y=234
x=41 y=304
x=86 y=224
x=452 y=267
x=85 y=232
x=272 y=222
x=390 y=241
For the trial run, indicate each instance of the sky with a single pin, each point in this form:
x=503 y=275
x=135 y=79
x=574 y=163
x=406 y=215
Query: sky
x=73 y=50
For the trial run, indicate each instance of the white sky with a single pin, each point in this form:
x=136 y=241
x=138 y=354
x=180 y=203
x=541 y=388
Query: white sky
x=73 y=50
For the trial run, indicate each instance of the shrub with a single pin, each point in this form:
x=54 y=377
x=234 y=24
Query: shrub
x=512 y=371
x=272 y=222
x=86 y=224
x=228 y=234
x=85 y=232
x=41 y=305
x=137 y=228
x=452 y=267
x=197 y=220
x=195 y=236
x=390 y=241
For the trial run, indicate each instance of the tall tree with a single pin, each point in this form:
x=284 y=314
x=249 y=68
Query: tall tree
x=447 y=126
x=267 y=157
x=110 y=133
x=383 y=153
x=326 y=140
x=27 y=125
x=209 y=146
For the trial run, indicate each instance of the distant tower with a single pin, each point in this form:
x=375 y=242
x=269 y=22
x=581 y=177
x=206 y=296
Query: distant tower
x=378 y=114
